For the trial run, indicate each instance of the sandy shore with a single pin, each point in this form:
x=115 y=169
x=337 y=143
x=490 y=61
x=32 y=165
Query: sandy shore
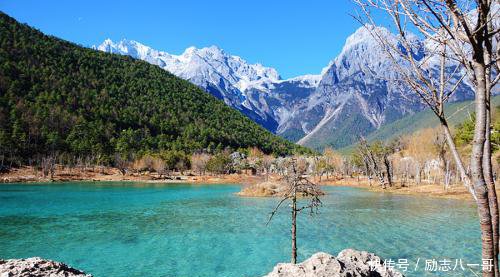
x=101 y=174
x=104 y=174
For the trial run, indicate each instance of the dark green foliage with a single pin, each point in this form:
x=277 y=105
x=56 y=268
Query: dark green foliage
x=464 y=133
x=176 y=160
x=59 y=98
x=349 y=128
x=219 y=163
x=293 y=134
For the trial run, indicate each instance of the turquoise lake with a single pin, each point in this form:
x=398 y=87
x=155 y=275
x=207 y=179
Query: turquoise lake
x=126 y=229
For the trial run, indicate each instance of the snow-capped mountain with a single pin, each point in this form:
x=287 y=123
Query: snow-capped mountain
x=354 y=96
x=243 y=86
x=350 y=98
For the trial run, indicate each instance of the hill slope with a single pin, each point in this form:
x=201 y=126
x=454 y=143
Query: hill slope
x=60 y=98
x=456 y=113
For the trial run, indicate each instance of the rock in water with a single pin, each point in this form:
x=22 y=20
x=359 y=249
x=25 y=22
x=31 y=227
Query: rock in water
x=348 y=263
x=37 y=267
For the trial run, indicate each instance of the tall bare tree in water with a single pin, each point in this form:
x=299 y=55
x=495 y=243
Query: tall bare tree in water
x=465 y=34
x=298 y=186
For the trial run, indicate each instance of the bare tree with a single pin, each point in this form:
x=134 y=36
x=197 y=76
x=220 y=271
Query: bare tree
x=159 y=166
x=463 y=34
x=439 y=144
x=199 y=163
x=48 y=165
x=267 y=162
x=298 y=186
x=121 y=164
x=376 y=156
x=447 y=175
x=333 y=161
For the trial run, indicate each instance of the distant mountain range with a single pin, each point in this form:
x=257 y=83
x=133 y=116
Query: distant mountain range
x=331 y=109
x=255 y=90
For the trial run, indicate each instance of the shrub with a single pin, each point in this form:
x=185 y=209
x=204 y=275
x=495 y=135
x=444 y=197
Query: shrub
x=219 y=163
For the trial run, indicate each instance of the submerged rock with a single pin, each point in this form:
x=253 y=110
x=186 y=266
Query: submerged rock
x=348 y=263
x=38 y=267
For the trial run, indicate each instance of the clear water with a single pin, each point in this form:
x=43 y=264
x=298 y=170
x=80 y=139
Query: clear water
x=152 y=230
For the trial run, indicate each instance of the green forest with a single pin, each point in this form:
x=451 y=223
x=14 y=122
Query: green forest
x=62 y=100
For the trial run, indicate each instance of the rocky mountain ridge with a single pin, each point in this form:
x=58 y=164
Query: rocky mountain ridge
x=352 y=97
x=257 y=91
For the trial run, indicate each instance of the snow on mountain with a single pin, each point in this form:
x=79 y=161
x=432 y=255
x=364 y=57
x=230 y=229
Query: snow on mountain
x=352 y=96
x=226 y=76
x=355 y=95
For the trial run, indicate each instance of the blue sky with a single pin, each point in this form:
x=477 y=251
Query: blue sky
x=295 y=37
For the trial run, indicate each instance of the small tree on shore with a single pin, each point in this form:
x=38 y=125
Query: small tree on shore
x=333 y=161
x=267 y=162
x=219 y=163
x=298 y=186
x=376 y=156
x=48 y=167
x=199 y=162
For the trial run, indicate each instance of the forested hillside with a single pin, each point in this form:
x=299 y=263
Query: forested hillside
x=60 y=99
x=457 y=113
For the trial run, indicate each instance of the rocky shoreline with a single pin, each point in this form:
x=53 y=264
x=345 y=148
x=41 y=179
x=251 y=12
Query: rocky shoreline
x=37 y=267
x=348 y=263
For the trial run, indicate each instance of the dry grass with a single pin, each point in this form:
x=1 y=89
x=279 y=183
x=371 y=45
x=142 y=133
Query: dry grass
x=456 y=191
x=264 y=189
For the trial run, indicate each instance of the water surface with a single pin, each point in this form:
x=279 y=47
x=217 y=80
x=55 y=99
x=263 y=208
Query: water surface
x=124 y=229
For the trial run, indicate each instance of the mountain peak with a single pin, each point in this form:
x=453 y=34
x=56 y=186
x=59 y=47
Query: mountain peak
x=107 y=41
x=364 y=35
x=213 y=49
x=125 y=47
x=106 y=45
